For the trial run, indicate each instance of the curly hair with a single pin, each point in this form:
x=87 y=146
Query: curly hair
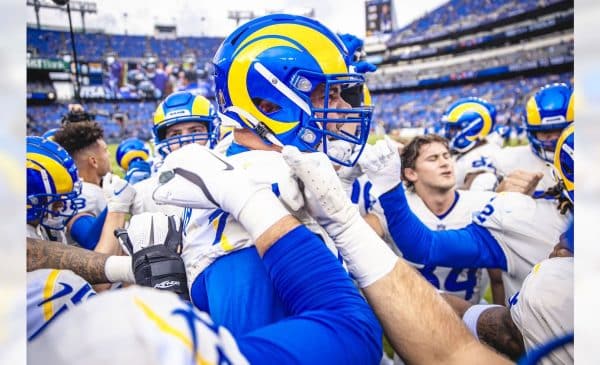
x=74 y=137
x=411 y=152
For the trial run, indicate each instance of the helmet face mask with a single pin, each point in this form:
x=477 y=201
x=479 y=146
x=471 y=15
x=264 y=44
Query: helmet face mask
x=53 y=186
x=170 y=144
x=287 y=60
x=177 y=109
x=550 y=109
x=468 y=121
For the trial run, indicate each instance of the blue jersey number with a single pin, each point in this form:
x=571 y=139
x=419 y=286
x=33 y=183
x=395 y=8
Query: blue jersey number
x=452 y=284
x=484 y=162
x=487 y=211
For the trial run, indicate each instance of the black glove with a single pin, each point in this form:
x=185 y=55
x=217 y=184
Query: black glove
x=157 y=265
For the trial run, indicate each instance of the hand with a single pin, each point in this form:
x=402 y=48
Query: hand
x=326 y=199
x=138 y=170
x=520 y=181
x=363 y=67
x=196 y=177
x=352 y=43
x=381 y=163
x=119 y=193
x=154 y=241
x=368 y=258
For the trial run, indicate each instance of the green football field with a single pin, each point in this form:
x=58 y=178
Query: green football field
x=113 y=161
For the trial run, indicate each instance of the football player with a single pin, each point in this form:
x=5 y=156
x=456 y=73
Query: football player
x=542 y=310
x=428 y=174
x=547 y=113
x=53 y=197
x=84 y=141
x=512 y=232
x=181 y=118
x=466 y=124
x=277 y=94
x=53 y=190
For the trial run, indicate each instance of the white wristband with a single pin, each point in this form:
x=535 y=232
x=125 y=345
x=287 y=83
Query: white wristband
x=368 y=258
x=472 y=315
x=118 y=268
x=260 y=212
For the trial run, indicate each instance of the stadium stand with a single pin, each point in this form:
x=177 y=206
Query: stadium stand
x=94 y=46
x=422 y=108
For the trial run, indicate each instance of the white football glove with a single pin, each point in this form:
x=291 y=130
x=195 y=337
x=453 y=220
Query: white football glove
x=148 y=229
x=367 y=256
x=381 y=163
x=267 y=168
x=196 y=177
x=119 y=193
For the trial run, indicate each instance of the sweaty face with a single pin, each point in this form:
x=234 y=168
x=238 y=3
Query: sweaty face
x=183 y=129
x=434 y=168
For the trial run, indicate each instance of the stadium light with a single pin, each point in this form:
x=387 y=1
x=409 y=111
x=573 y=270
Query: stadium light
x=239 y=15
x=82 y=7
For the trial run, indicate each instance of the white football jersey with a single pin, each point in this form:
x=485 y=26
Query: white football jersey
x=543 y=308
x=95 y=202
x=143 y=201
x=210 y=234
x=523 y=158
x=481 y=158
x=464 y=283
x=526 y=229
x=135 y=325
x=50 y=293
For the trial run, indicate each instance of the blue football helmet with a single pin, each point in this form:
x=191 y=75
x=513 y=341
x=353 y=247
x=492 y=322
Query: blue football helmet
x=467 y=121
x=564 y=162
x=550 y=109
x=49 y=134
x=183 y=107
x=282 y=60
x=129 y=150
x=53 y=186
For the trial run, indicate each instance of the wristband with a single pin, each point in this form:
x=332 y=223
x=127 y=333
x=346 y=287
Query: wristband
x=472 y=315
x=118 y=268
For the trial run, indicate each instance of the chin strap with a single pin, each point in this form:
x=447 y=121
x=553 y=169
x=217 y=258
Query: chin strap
x=259 y=127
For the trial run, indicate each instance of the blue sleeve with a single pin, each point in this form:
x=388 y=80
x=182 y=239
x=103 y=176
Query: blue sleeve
x=330 y=323
x=470 y=247
x=86 y=230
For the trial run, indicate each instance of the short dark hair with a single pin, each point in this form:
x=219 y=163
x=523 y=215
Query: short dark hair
x=410 y=153
x=74 y=137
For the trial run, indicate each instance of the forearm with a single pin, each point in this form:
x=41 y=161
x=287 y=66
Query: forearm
x=108 y=243
x=86 y=229
x=469 y=247
x=497 y=286
x=496 y=328
x=275 y=232
x=51 y=255
x=326 y=310
x=410 y=309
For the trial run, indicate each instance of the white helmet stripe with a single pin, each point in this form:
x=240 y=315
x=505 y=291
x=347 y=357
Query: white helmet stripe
x=282 y=87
